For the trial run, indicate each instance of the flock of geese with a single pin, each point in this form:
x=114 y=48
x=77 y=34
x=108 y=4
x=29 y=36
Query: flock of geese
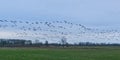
x=55 y=30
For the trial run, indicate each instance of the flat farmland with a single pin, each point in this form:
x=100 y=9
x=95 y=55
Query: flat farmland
x=81 y=53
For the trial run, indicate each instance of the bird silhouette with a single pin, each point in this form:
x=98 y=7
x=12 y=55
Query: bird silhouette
x=46 y=29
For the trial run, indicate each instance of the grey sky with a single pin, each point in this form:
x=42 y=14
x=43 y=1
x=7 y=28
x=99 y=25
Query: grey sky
x=92 y=12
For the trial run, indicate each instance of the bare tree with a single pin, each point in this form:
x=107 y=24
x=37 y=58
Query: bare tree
x=46 y=43
x=63 y=41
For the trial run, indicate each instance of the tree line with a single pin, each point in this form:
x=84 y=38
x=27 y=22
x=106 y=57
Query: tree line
x=63 y=43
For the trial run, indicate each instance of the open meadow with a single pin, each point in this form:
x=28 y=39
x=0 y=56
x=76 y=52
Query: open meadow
x=81 y=53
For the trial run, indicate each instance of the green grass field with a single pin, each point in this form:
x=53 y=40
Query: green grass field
x=87 y=53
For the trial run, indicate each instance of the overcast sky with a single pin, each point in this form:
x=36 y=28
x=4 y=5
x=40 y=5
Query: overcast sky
x=97 y=13
x=93 y=12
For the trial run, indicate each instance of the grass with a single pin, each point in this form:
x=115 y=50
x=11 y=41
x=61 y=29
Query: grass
x=81 y=53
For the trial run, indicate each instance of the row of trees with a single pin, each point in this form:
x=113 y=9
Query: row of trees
x=66 y=44
x=63 y=43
